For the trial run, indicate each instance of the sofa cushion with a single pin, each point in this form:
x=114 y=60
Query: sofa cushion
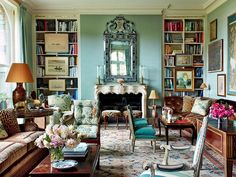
x=201 y=106
x=3 y=133
x=25 y=138
x=90 y=131
x=9 y=121
x=188 y=102
x=174 y=102
x=63 y=102
x=10 y=152
x=86 y=112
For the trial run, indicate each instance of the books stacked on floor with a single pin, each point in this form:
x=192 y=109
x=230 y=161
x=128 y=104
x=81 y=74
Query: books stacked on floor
x=80 y=151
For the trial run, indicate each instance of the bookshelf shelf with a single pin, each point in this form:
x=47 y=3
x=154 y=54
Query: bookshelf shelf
x=64 y=32
x=182 y=36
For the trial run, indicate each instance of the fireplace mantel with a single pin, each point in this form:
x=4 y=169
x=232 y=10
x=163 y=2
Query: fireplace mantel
x=122 y=89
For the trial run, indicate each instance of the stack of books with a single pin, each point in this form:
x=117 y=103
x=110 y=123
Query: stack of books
x=80 y=151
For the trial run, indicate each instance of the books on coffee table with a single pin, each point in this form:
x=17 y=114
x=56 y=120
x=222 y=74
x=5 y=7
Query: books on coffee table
x=80 y=150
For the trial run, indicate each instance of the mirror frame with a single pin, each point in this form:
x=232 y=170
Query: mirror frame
x=120 y=29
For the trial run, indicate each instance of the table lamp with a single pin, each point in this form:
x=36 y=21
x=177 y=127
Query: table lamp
x=19 y=73
x=154 y=96
x=203 y=86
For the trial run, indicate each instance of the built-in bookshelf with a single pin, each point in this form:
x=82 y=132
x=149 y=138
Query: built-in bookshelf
x=56 y=56
x=183 y=39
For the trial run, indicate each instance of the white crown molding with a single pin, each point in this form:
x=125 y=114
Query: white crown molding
x=184 y=12
x=214 y=5
x=102 y=11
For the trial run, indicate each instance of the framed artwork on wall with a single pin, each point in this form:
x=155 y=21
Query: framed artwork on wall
x=56 y=42
x=221 y=85
x=56 y=66
x=184 y=60
x=213 y=30
x=184 y=79
x=57 y=85
x=231 y=69
x=215 y=56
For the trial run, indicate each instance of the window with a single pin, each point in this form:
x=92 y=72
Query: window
x=9 y=27
x=5 y=38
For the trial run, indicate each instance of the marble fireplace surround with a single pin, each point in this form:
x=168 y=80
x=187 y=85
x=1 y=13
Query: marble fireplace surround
x=123 y=89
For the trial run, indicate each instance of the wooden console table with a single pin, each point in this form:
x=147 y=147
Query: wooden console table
x=30 y=125
x=222 y=140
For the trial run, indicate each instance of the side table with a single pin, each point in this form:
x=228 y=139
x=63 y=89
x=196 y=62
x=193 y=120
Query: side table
x=29 y=116
x=154 y=114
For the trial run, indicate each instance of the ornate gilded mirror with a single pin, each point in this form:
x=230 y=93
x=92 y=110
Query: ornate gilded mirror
x=120 y=51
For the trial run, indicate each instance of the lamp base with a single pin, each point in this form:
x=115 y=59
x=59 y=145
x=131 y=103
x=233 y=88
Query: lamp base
x=19 y=94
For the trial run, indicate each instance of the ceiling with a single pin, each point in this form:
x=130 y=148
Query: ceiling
x=121 y=6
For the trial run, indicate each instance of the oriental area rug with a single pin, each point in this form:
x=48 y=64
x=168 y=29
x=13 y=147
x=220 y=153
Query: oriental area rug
x=117 y=159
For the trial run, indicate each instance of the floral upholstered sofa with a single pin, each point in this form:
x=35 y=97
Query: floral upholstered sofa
x=87 y=117
x=18 y=154
x=63 y=109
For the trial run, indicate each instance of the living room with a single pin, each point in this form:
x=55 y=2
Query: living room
x=77 y=61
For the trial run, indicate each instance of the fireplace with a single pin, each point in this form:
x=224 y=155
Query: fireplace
x=116 y=96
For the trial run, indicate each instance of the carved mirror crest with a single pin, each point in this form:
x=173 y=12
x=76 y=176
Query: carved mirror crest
x=120 y=51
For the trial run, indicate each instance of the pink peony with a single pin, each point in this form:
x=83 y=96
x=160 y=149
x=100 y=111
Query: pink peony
x=219 y=110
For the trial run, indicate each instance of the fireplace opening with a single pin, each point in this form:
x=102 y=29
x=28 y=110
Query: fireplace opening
x=113 y=101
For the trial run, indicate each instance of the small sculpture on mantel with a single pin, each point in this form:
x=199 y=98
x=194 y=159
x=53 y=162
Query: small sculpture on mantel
x=120 y=81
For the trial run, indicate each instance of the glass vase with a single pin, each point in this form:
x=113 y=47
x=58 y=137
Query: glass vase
x=56 y=154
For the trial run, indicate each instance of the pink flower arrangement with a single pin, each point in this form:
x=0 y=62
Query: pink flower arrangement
x=218 y=110
x=58 y=136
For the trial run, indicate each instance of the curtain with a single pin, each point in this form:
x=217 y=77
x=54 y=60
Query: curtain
x=26 y=40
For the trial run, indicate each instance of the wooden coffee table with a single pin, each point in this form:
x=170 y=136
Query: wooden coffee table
x=85 y=168
x=176 y=125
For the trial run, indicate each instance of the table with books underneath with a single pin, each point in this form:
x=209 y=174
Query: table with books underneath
x=82 y=161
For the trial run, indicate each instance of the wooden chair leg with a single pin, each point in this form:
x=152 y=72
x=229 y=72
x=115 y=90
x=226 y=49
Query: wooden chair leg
x=126 y=122
x=104 y=119
x=154 y=146
x=133 y=144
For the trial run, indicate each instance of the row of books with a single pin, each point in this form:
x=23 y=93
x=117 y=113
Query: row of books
x=173 y=26
x=67 y=26
x=194 y=25
x=73 y=49
x=73 y=72
x=169 y=83
x=45 y=25
x=169 y=72
x=172 y=93
x=196 y=37
x=173 y=38
x=193 y=49
x=80 y=151
x=170 y=61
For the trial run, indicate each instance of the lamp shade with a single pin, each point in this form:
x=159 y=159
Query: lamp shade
x=20 y=73
x=153 y=95
x=203 y=86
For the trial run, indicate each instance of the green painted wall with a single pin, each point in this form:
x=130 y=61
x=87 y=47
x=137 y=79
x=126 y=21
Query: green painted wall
x=221 y=14
x=149 y=30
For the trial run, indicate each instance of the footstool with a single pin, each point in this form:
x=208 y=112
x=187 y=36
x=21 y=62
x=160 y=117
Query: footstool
x=111 y=113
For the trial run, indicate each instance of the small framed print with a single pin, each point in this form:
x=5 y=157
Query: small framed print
x=184 y=60
x=56 y=42
x=57 y=85
x=56 y=66
x=213 y=30
x=184 y=80
x=221 y=85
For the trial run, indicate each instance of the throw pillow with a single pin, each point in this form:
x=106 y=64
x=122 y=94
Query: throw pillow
x=63 y=102
x=188 y=102
x=9 y=121
x=3 y=133
x=200 y=106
